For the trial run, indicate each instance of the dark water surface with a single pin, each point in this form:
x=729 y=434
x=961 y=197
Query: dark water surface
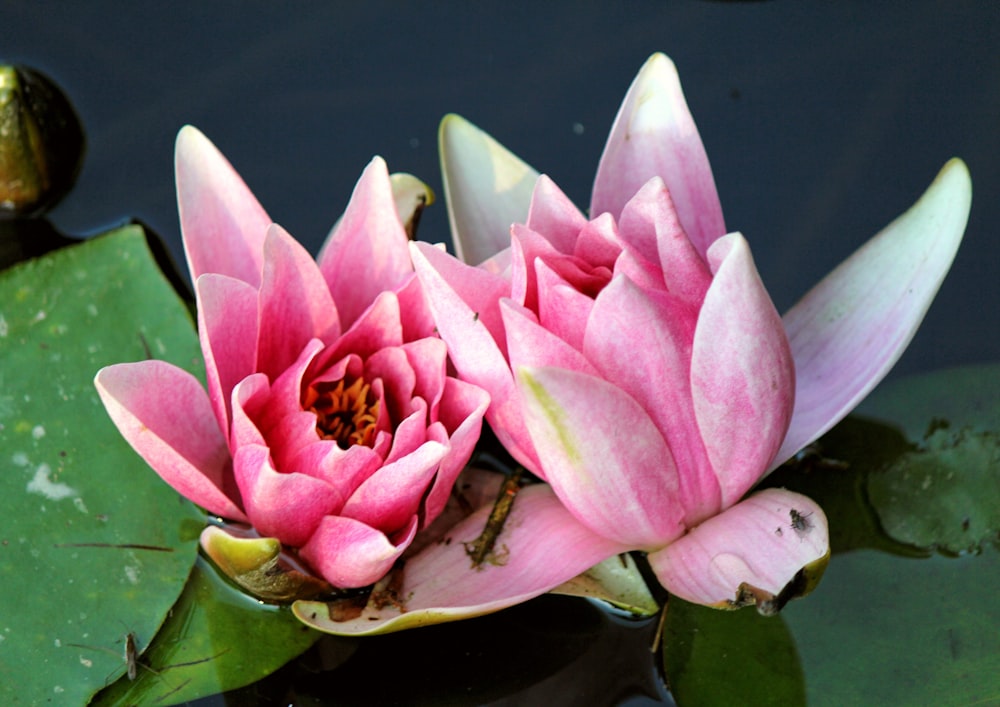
x=823 y=121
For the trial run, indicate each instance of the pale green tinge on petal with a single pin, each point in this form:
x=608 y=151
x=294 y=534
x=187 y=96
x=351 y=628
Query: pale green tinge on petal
x=411 y=196
x=256 y=564
x=318 y=615
x=853 y=326
x=486 y=186
x=617 y=581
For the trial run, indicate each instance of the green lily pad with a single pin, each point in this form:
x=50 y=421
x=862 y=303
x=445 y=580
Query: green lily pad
x=889 y=630
x=216 y=639
x=93 y=545
x=714 y=657
x=944 y=493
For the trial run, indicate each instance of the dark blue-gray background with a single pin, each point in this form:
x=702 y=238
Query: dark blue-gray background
x=823 y=121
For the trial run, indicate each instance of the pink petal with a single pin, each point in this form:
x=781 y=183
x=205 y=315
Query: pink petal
x=641 y=343
x=654 y=135
x=650 y=225
x=487 y=188
x=342 y=469
x=478 y=357
x=367 y=252
x=853 y=326
x=541 y=546
x=415 y=315
x=392 y=495
x=250 y=398
x=222 y=222
x=379 y=327
x=287 y=506
x=533 y=345
x=164 y=413
x=350 y=554
x=554 y=216
x=528 y=247
x=462 y=408
x=562 y=309
x=603 y=456
x=227 y=327
x=742 y=376
x=295 y=304
x=753 y=542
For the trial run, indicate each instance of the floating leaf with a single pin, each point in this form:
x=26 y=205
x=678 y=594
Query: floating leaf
x=888 y=630
x=93 y=545
x=944 y=493
x=216 y=639
x=714 y=657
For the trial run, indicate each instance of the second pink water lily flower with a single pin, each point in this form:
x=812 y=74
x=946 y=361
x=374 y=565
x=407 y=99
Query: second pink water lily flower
x=635 y=361
x=329 y=422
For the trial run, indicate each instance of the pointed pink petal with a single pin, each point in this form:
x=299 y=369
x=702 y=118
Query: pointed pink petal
x=853 y=326
x=222 y=222
x=554 y=216
x=367 y=252
x=603 y=456
x=287 y=506
x=164 y=413
x=742 y=377
x=295 y=303
x=650 y=224
x=350 y=554
x=654 y=135
x=227 y=327
x=487 y=188
x=540 y=547
x=753 y=542
x=641 y=343
x=477 y=355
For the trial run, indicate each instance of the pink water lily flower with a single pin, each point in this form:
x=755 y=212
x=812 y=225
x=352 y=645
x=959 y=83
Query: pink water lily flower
x=637 y=364
x=329 y=421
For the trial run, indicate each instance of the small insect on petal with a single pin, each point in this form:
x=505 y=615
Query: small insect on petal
x=800 y=522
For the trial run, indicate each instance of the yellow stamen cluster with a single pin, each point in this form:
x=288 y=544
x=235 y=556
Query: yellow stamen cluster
x=345 y=414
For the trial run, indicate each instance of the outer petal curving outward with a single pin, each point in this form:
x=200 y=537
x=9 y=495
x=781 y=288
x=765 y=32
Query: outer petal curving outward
x=222 y=222
x=540 y=547
x=164 y=413
x=853 y=326
x=749 y=553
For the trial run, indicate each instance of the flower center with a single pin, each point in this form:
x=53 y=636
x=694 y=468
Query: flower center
x=346 y=414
